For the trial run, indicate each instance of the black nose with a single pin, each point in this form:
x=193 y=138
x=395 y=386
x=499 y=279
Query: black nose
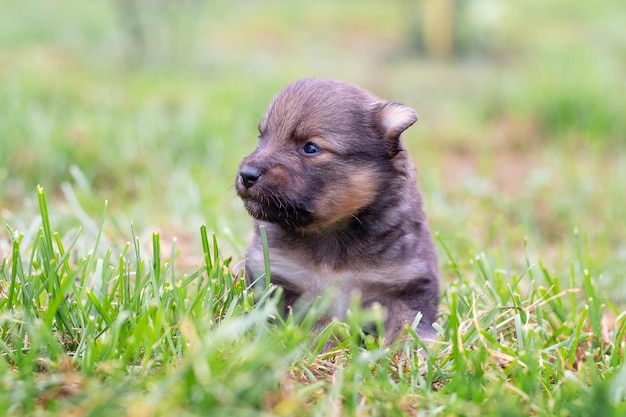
x=249 y=176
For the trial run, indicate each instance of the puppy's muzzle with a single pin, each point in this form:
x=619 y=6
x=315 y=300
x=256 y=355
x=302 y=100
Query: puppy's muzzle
x=249 y=176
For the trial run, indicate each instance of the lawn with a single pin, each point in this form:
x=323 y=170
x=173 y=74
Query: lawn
x=121 y=128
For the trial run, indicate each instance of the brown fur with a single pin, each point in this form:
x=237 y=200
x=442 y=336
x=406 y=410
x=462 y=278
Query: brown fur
x=348 y=217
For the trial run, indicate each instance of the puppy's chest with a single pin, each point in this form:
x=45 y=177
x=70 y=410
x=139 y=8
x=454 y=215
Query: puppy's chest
x=295 y=272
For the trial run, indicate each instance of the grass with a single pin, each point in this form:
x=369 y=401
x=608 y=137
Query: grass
x=126 y=333
x=136 y=137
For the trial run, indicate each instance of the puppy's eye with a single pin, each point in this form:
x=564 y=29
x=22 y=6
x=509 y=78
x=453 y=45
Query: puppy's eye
x=310 y=148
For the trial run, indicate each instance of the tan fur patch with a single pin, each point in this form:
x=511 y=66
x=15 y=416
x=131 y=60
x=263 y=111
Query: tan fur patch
x=342 y=201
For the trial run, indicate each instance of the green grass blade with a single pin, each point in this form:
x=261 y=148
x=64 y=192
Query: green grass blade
x=266 y=255
x=15 y=264
x=205 y=248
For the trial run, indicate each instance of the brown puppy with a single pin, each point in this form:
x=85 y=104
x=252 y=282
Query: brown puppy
x=335 y=189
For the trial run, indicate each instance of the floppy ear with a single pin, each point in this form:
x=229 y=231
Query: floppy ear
x=392 y=119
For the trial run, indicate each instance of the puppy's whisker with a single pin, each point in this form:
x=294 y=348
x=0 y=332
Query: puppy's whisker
x=355 y=217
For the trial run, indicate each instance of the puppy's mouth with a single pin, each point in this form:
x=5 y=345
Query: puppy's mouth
x=273 y=209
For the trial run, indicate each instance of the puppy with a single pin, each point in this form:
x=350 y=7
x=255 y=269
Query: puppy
x=335 y=189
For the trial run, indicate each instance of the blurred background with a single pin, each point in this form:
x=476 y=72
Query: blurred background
x=150 y=106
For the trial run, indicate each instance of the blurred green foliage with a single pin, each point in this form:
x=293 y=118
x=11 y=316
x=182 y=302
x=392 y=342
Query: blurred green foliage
x=152 y=104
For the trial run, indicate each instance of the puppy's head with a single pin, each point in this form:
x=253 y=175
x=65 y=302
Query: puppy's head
x=326 y=149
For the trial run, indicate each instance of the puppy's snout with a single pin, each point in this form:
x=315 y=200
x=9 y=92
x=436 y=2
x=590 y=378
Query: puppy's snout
x=249 y=176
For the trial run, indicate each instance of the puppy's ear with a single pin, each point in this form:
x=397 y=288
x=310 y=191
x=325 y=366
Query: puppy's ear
x=392 y=119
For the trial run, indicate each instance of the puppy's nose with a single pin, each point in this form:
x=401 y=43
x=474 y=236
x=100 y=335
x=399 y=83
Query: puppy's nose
x=249 y=176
